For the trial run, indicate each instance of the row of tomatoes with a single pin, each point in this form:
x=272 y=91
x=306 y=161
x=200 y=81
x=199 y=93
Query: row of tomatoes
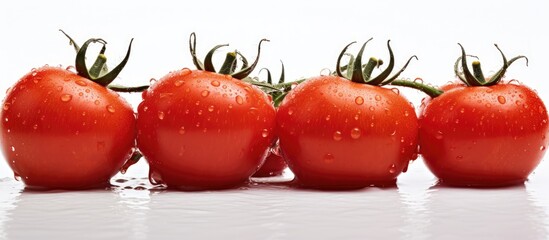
x=202 y=129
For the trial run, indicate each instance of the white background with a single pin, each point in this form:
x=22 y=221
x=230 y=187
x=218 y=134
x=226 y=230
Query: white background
x=307 y=36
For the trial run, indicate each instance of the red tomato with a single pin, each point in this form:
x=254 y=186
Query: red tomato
x=60 y=130
x=335 y=133
x=484 y=136
x=203 y=130
x=483 y=133
x=274 y=164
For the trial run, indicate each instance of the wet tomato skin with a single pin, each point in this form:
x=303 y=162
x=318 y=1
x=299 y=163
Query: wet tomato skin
x=201 y=130
x=338 y=134
x=62 y=131
x=484 y=136
x=274 y=164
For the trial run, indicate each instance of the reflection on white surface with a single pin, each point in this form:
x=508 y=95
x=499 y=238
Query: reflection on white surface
x=414 y=210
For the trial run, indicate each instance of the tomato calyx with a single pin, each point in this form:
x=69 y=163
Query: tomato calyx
x=229 y=66
x=277 y=91
x=99 y=72
x=477 y=77
x=359 y=73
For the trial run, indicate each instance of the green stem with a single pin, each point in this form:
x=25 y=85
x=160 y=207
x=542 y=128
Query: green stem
x=369 y=68
x=228 y=64
x=97 y=67
x=477 y=71
x=429 y=90
x=288 y=84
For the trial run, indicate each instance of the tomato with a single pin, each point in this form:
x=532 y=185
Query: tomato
x=483 y=133
x=63 y=131
x=204 y=130
x=484 y=136
x=335 y=133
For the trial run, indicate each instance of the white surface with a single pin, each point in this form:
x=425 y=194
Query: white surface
x=307 y=36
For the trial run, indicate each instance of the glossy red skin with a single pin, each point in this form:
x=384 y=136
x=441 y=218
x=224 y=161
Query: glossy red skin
x=62 y=131
x=310 y=116
x=201 y=130
x=274 y=165
x=483 y=136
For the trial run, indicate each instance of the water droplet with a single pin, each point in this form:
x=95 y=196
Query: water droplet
x=371 y=108
x=265 y=133
x=178 y=83
x=96 y=102
x=406 y=113
x=66 y=97
x=439 y=135
x=290 y=111
x=110 y=108
x=59 y=88
x=359 y=100
x=329 y=158
x=396 y=91
x=6 y=106
x=12 y=148
x=211 y=108
x=392 y=169
x=205 y=93
x=337 y=135
x=459 y=157
x=418 y=80
x=328 y=118
x=488 y=105
x=16 y=177
x=35 y=126
x=182 y=130
x=152 y=81
x=160 y=115
x=215 y=83
x=501 y=99
x=239 y=100
x=457 y=120
x=355 y=133
x=81 y=83
x=378 y=98
x=200 y=112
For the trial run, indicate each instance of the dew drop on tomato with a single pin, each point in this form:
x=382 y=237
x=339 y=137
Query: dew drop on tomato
x=152 y=81
x=66 y=97
x=185 y=71
x=337 y=136
x=110 y=109
x=265 y=133
x=178 y=83
x=239 y=100
x=501 y=99
x=439 y=135
x=211 y=108
x=396 y=91
x=215 y=83
x=81 y=83
x=160 y=115
x=329 y=158
x=392 y=169
x=378 y=98
x=359 y=100
x=96 y=102
x=16 y=177
x=355 y=133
